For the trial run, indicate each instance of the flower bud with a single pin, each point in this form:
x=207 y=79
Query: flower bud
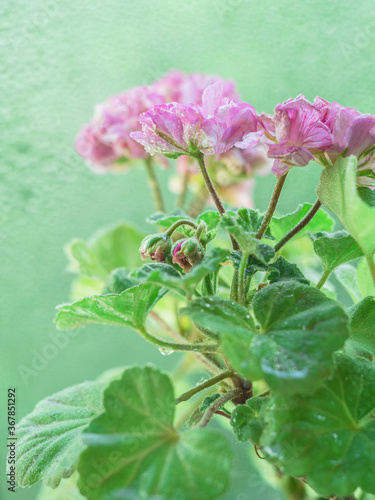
x=156 y=246
x=187 y=253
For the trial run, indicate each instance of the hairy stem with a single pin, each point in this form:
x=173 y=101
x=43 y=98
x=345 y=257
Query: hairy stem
x=201 y=387
x=271 y=207
x=154 y=185
x=308 y=217
x=208 y=284
x=209 y=184
x=323 y=279
x=214 y=407
x=182 y=222
x=213 y=193
x=242 y=279
x=234 y=286
x=172 y=346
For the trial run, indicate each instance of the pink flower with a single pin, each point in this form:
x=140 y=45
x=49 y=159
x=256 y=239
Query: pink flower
x=106 y=142
x=217 y=125
x=296 y=132
x=176 y=86
x=352 y=133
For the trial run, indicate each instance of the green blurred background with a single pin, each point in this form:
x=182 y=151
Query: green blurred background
x=59 y=58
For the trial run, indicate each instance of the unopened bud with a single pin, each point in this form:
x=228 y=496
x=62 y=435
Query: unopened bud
x=156 y=246
x=187 y=253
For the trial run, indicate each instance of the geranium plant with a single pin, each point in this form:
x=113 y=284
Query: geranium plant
x=286 y=365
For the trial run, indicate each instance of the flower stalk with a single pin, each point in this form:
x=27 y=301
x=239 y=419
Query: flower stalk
x=271 y=207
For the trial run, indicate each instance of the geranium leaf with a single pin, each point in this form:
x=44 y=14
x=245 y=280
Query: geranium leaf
x=283 y=270
x=338 y=192
x=335 y=249
x=186 y=284
x=119 y=280
x=107 y=250
x=281 y=225
x=362 y=323
x=364 y=280
x=134 y=450
x=251 y=221
x=220 y=315
x=129 y=308
x=49 y=439
x=299 y=329
x=247 y=420
x=328 y=437
x=346 y=274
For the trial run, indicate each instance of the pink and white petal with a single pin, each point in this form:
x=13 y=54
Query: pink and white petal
x=250 y=140
x=361 y=135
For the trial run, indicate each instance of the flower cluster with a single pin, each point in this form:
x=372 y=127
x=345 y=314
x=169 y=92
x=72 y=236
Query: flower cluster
x=194 y=115
x=105 y=143
x=300 y=131
x=213 y=128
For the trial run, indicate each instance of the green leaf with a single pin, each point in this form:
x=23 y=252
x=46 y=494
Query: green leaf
x=281 y=225
x=367 y=195
x=212 y=219
x=338 y=191
x=134 y=450
x=220 y=315
x=247 y=420
x=362 y=323
x=346 y=274
x=251 y=221
x=107 y=250
x=119 y=280
x=328 y=436
x=49 y=439
x=364 y=280
x=245 y=239
x=129 y=308
x=167 y=276
x=283 y=270
x=335 y=249
x=298 y=330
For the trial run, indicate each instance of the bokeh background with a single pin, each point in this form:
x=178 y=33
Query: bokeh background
x=59 y=58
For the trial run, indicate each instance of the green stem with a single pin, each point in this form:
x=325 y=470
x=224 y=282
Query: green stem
x=154 y=185
x=323 y=279
x=242 y=279
x=234 y=286
x=182 y=222
x=225 y=398
x=302 y=223
x=271 y=207
x=205 y=385
x=182 y=197
x=208 y=283
x=213 y=193
x=171 y=346
x=371 y=265
x=209 y=184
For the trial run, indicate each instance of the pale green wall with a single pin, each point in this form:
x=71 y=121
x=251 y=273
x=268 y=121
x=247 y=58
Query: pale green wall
x=59 y=58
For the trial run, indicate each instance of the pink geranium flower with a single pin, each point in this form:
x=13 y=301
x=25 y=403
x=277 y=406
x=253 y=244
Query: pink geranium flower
x=353 y=134
x=177 y=86
x=296 y=133
x=106 y=141
x=216 y=126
